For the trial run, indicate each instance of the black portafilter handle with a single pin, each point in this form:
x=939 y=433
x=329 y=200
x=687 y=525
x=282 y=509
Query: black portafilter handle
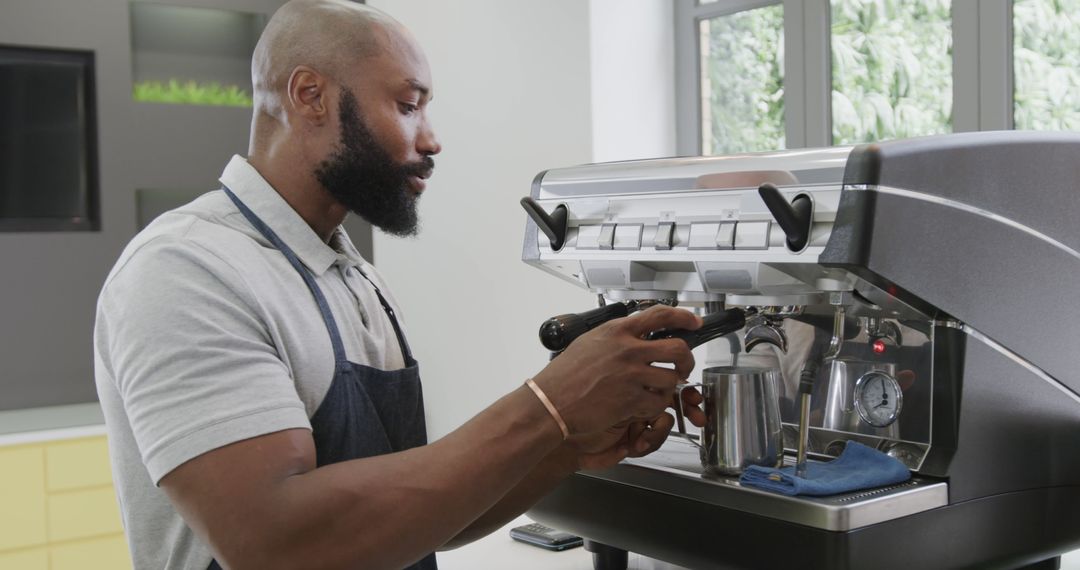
x=794 y=218
x=558 y=332
x=715 y=325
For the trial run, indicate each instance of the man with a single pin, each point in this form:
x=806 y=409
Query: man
x=263 y=406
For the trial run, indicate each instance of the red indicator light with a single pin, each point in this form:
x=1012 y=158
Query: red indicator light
x=878 y=346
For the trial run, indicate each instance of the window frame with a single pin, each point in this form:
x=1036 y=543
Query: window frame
x=982 y=68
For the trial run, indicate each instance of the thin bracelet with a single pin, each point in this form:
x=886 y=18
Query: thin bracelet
x=550 y=407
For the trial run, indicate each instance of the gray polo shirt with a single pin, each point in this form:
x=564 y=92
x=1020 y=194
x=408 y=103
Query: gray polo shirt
x=205 y=336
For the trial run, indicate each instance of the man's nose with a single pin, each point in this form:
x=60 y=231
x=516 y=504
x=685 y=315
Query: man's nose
x=427 y=143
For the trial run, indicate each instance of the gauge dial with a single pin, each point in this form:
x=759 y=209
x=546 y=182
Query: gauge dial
x=878 y=398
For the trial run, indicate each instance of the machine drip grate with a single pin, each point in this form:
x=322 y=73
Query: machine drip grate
x=874 y=492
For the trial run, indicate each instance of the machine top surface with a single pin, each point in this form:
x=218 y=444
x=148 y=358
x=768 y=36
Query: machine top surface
x=801 y=167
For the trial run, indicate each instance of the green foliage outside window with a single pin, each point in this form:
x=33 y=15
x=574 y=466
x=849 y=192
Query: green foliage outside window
x=743 y=81
x=190 y=93
x=1046 y=64
x=892 y=69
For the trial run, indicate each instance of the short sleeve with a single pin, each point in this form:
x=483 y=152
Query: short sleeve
x=186 y=345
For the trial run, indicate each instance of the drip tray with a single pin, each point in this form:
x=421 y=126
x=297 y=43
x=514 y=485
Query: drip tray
x=675 y=469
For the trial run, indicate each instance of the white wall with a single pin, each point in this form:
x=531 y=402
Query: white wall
x=511 y=80
x=632 y=49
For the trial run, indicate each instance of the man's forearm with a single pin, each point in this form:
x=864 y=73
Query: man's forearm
x=382 y=511
x=558 y=465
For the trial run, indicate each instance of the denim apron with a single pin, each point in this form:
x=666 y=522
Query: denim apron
x=366 y=411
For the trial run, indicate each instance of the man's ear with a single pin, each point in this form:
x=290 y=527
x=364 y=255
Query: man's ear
x=307 y=91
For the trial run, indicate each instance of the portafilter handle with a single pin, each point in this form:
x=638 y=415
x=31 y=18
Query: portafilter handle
x=558 y=332
x=715 y=325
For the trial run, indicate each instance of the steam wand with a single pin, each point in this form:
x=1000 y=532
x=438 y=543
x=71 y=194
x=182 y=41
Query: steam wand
x=806 y=383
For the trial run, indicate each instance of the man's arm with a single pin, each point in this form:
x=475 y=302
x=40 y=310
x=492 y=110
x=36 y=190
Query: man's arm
x=261 y=503
x=558 y=465
x=592 y=452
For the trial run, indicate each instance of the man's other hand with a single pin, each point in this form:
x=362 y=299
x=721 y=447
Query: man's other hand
x=606 y=377
x=604 y=449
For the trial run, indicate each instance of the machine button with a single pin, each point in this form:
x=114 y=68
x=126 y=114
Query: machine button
x=607 y=236
x=703 y=236
x=588 y=237
x=752 y=235
x=628 y=236
x=665 y=235
x=725 y=238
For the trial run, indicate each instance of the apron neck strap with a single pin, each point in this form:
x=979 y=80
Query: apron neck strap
x=305 y=274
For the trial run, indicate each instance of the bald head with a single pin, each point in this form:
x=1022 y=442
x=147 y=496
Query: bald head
x=340 y=124
x=330 y=36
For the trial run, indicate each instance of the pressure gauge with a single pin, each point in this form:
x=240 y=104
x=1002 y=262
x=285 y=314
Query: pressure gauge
x=878 y=398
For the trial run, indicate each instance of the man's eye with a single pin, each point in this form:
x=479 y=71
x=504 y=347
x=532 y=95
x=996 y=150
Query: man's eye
x=408 y=108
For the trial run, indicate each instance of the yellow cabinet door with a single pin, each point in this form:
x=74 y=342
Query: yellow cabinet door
x=22 y=493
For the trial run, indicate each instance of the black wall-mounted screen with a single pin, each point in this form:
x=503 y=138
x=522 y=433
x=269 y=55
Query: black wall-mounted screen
x=48 y=140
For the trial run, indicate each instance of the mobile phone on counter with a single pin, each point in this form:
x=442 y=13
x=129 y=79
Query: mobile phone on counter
x=545 y=537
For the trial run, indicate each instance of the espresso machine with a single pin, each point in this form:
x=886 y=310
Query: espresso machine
x=917 y=297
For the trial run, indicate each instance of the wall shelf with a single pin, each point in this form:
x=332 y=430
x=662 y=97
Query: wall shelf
x=192 y=56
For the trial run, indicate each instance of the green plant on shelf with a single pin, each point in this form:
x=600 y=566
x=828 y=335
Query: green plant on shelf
x=190 y=93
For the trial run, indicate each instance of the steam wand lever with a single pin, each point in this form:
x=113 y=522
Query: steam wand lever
x=794 y=218
x=553 y=225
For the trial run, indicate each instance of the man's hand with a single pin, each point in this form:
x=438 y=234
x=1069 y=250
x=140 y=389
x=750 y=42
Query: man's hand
x=607 y=448
x=606 y=377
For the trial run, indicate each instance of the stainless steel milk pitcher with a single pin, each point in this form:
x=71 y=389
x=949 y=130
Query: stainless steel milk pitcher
x=742 y=419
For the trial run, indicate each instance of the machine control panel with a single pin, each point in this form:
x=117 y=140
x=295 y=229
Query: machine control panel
x=729 y=235
x=752 y=235
x=610 y=237
x=725 y=238
x=607 y=237
x=703 y=235
x=701 y=243
x=665 y=236
x=628 y=236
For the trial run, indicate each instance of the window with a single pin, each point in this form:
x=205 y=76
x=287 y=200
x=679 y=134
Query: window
x=853 y=71
x=891 y=69
x=742 y=75
x=1046 y=64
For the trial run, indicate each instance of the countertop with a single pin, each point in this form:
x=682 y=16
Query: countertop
x=51 y=423
x=499 y=551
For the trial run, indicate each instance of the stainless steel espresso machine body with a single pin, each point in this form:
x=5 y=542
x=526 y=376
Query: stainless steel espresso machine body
x=927 y=287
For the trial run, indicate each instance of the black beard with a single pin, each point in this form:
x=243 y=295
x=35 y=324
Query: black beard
x=363 y=177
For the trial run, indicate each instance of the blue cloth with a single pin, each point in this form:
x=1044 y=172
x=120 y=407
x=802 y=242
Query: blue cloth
x=858 y=467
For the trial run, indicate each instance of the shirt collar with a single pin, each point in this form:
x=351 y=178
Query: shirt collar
x=257 y=194
x=343 y=245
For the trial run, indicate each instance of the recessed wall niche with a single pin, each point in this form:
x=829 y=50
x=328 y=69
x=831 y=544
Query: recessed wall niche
x=192 y=56
x=48 y=140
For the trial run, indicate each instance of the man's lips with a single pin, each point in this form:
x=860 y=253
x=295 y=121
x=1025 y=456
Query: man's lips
x=418 y=182
x=418 y=173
